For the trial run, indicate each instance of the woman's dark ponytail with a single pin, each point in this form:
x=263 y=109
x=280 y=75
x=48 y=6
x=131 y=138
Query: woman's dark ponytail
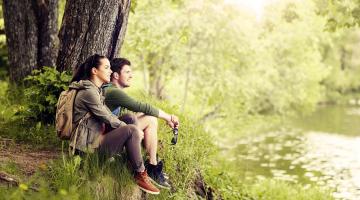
x=83 y=71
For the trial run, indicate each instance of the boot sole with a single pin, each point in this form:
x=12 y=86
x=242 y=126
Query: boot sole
x=149 y=191
x=157 y=184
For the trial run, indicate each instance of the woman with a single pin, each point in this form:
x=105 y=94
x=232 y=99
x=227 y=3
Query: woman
x=91 y=116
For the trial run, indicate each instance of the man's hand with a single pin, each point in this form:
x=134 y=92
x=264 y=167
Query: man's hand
x=173 y=122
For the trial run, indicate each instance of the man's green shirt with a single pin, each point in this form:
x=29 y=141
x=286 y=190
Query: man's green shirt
x=116 y=100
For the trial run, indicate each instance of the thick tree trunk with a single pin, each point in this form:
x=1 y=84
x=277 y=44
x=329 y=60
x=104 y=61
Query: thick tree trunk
x=31 y=28
x=90 y=27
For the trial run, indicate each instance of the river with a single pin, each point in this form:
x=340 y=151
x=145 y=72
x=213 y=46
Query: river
x=322 y=149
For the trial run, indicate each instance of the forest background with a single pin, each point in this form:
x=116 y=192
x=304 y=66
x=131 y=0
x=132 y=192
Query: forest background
x=227 y=71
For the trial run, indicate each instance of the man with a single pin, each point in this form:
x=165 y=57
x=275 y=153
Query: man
x=117 y=100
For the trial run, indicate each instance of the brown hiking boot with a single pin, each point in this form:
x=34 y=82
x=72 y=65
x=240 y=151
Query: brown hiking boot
x=143 y=181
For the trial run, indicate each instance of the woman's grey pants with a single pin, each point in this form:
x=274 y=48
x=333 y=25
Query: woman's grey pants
x=128 y=136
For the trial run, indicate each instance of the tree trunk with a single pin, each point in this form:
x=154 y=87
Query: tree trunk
x=90 y=27
x=145 y=76
x=186 y=89
x=156 y=81
x=30 y=27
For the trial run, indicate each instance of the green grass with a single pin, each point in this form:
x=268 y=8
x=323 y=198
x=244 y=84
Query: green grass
x=230 y=187
x=10 y=167
x=67 y=179
x=94 y=178
x=64 y=178
x=279 y=190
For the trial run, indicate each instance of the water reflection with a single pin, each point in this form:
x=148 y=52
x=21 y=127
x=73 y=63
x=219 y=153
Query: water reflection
x=309 y=157
x=342 y=120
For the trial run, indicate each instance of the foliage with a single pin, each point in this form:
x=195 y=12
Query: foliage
x=42 y=93
x=293 y=64
x=155 y=58
x=339 y=14
x=342 y=56
x=227 y=70
x=15 y=126
x=242 y=71
x=98 y=178
x=3 y=50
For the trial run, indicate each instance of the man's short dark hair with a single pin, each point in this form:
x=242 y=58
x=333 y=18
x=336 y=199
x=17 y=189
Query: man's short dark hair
x=118 y=63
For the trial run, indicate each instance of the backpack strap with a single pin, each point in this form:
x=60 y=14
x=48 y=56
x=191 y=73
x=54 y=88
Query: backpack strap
x=72 y=151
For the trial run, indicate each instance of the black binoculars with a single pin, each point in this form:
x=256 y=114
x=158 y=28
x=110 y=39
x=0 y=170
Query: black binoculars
x=174 y=139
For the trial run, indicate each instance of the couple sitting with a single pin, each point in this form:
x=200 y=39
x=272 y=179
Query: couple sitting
x=98 y=76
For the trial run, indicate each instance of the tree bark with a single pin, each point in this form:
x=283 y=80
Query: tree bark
x=90 y=27
x=30 y=27
x=186 y=89
x=156 y=80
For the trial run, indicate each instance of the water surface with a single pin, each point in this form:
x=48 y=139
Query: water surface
x=322 y=149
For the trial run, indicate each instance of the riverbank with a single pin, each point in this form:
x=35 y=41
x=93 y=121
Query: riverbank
x=58 y=177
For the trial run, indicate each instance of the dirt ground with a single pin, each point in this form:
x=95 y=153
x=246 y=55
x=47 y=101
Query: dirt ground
x=25 y=156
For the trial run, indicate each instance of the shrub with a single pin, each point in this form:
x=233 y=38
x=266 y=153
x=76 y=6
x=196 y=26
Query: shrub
x=44 y=88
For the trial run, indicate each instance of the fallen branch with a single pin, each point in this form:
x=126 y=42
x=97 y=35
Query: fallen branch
x=12 y=181
x=5 y=142
x=8 y=179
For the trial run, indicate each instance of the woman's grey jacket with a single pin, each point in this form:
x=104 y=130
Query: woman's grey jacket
x=89 y=99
